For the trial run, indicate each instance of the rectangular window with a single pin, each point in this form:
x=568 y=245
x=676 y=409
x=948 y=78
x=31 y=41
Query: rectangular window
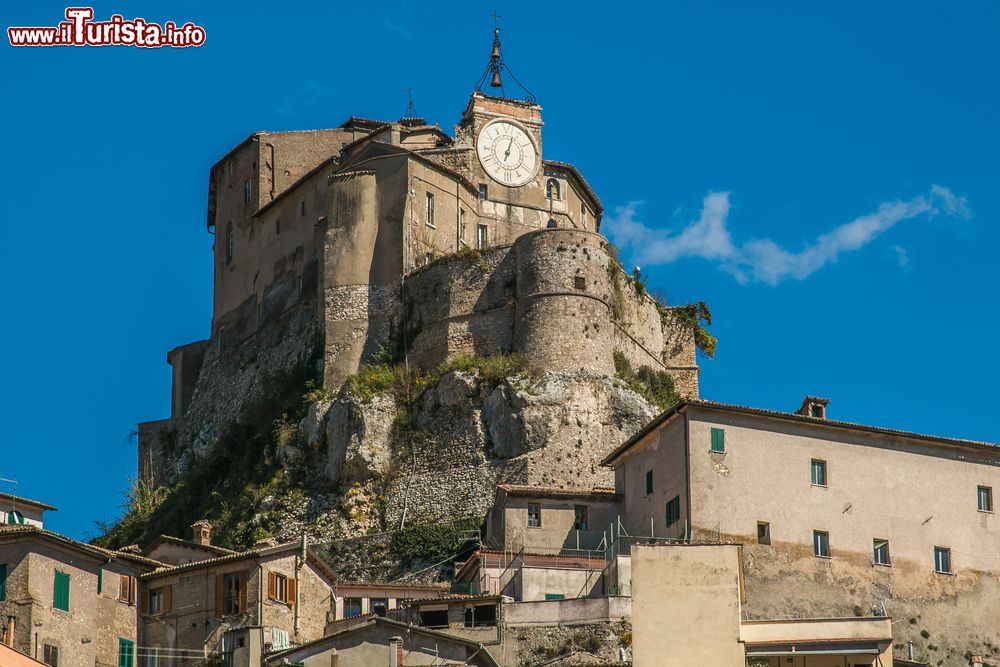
x=126 y=653
x=583 y=215
x=60 y=591
x=881 y=551
x=231 y=584
x=50 y=655
x=277 y=226
x=942 y=560
x=159 y=600
x=718 y=440
x=247 y=191
x=100 y=580
x=555 y=596
x=126 y=588
x=429 y=211
x=461 y=225
x=580 y=517
x=649 y=482
x=302 y=208
x=985 y=496
x=3 y=582
x=821 y=544
x=483 y=191
x=579 y=282
x=379 y=606
x=818 y=472
x=534 y=515
x=481 y=237
x=763 y=532
x=352 y=607
x=280 y=588
x=673 y=511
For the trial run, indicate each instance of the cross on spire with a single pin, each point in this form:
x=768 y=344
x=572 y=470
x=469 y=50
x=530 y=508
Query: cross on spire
x=495 y=18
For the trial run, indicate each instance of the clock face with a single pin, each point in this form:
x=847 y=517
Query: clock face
x=507 y=152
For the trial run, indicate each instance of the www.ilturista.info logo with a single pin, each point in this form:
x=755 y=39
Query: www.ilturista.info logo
x=81 y=30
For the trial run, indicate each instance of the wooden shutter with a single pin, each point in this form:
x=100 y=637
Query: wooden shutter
x=218 y=596
x=167 y=595
x=123 y=587
x=133 y=583
x=272 y=586
x=244 y=577
x=290 y=591
x=144 y=606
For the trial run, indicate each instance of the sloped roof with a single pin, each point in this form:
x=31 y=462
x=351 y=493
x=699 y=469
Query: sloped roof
x=18 y=500
x=235 y=557
x=818 y=422
x=528 y=491
x=29 y=532
x=190 y=544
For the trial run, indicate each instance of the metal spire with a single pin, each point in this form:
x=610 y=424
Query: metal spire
x=497 y=65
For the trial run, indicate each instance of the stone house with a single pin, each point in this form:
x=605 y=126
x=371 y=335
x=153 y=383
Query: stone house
x=17 y=511
x=66 y=603
x=235 y=607
x=549 y=520
x=476 y=617
x=363 y=598
x=837 y=519
x=527 y=577
x=375 y=640
x=687 y=610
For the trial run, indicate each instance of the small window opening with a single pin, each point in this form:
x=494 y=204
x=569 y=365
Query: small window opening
x=817 y=472
x=579 y=517
x=277 y=226
x=821 y=544
x=534 y=515
x=552 y=224
x=552 y=189
x=985 y=498
x=763 y=532
x=649 y=482
x=352 y=607
x=482 y=237
x=247 y=191
x=673 y=511
x=942 y=560
x=483 y=191
x=229 y=243
x=880 y=549
x=718 y=440
x=429 y=211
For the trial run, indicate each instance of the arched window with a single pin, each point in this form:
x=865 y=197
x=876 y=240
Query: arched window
x=552 y=223
x=552 y=189
x=229 y=243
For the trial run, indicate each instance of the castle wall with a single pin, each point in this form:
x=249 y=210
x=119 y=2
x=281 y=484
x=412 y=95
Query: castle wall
x=563 y=290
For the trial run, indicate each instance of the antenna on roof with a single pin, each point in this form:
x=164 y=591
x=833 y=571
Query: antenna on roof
x=497 y=65
x=409 y=104
x=13 y=483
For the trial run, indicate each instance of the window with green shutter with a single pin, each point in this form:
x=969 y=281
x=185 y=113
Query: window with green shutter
x=126 y=653
x=3 y=582
x=555 y=596
x=718 y=440
x=649 y=482
x=673 y=511
x=60 y=595
x=100 y=580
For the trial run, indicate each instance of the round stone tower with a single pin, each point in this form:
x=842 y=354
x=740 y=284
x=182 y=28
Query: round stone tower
x=563 y=319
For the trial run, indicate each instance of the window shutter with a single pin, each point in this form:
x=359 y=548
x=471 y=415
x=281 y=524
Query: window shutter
x=3 y=582
x=218 y=596
x=123 y=587
x=100 y=579
x=144 y=607
x=290 y=591
x=244 y=577
x=272 y=586
x=132 y=585
x=167 y=597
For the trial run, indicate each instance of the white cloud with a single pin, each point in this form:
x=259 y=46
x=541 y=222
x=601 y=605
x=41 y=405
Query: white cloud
x=902 y=256
x=763 y=260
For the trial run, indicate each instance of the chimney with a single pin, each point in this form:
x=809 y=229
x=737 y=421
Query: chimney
x=201 y=532
x=396 y=652
x=813 y=406
x=8 y=635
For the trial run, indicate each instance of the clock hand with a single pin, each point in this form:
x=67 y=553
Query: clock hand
x=507 y=152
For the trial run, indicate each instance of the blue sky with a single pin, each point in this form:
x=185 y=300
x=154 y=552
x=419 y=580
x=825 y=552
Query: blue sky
x=824 y=177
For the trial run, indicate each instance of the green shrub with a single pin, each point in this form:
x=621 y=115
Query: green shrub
x=655 y=386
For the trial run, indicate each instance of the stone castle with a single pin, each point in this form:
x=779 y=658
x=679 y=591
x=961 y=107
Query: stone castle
x=373 y=238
